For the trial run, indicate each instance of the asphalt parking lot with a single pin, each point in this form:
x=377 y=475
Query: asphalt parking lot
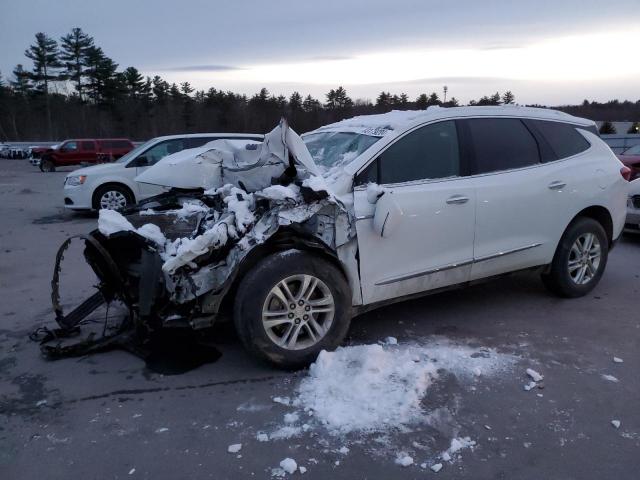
x=109 y=416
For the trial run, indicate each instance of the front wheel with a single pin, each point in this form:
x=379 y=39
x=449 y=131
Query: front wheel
x=47 y=165
x=291 y=306
x=112 y=197
x=580 y=259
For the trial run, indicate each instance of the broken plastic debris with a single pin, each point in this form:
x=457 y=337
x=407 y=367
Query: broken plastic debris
x=132 y=471
x=611 y=378
x=617 y=360
x=437 y=467
x=162 y=430
x=289 y=465
x=41 y=403
x=235 y=448
x=262 y=437
x=529 y=386
x=535 y=376
x=615 y=423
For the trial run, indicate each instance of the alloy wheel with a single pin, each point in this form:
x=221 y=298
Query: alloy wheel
x=584 y=258
x=298 y=312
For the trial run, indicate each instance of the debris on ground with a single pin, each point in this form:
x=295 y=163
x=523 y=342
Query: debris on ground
x=610 y=378
x=289 y=465
x=616 y=423
x=436 y=467
x=404 y=460
x=535 y=376
x=617 y=360
x=234 y=448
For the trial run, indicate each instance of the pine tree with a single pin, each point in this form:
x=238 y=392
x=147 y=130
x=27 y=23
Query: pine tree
x=73 y=53
x=295 y=102
x=103 y=84
x=384 y=100
x=607 y=128
x=20 y=84
x=133 y=82
x=422 y=101
x=508 y=98
x=495 y=99
x=311 y=104
x=44 y=54
x=434 y=99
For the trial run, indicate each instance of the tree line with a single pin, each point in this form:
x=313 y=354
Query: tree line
x=73 y=89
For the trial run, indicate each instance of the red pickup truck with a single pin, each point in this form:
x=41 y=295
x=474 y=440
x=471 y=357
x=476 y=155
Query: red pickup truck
x=84 y=150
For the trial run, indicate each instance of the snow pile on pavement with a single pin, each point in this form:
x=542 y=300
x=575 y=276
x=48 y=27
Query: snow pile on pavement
x=361 y=387
x=374 y=388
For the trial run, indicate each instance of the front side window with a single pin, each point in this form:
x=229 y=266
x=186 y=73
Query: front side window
x=501 y=144
x=70 y=146
x=430 y=152
x=564 y=139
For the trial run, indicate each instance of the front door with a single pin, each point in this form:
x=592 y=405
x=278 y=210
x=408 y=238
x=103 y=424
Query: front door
x=432 y=245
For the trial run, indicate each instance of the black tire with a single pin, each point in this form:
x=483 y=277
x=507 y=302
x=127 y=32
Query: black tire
x=254 y=290
x=47 y=165
x=558 y=280
x=121 y=189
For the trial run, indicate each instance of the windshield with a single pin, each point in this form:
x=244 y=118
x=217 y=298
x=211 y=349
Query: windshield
x=635 y=150
x=135 y=152
x=330 y=149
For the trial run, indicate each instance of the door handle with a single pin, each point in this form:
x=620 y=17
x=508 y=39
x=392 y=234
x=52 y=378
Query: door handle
x=557 y=185
x=457 y=200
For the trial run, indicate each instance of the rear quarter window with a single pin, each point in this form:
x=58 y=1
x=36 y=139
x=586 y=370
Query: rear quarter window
x=563 y=138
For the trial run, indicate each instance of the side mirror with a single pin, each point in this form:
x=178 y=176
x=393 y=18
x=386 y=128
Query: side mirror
x=387 y=216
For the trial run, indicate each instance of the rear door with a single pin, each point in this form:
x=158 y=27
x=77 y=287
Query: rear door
x=515 y=226
x=432 y=245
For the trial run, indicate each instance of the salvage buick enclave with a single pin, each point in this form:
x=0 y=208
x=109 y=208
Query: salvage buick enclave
x=293 y=236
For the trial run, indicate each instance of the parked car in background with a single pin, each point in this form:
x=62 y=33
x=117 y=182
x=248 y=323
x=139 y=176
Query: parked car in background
x=112 y=185
x=4 y=150
x=295 y=237
x=631 y=158
x=633 y=206
x=85 y=150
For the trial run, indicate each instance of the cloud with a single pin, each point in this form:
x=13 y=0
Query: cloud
x=202 y=68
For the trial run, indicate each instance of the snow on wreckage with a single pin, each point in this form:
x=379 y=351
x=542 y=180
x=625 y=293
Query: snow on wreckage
x=174 y=257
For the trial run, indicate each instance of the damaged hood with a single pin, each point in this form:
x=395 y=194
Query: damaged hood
x=233 y=161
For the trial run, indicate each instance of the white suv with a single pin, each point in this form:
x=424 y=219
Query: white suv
x=113 y=185
x=294 y=237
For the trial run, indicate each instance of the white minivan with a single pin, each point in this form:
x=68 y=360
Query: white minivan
x=113 y=186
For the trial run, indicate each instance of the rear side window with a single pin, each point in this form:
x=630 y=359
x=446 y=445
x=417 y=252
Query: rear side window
x=501 y=144
x=88 y=146
x=430 y=152
x=198 y=141
x=563 y=138
x=120 y=144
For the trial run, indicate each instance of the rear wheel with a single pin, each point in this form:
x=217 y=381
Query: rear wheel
x=112 y=197
x=580 y=259
x=291 y=306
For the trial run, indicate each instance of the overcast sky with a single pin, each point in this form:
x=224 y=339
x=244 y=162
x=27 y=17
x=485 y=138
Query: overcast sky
x=548 y=52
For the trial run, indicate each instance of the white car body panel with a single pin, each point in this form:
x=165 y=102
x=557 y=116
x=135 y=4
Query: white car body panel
x=432 y=246
x=123 y=174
